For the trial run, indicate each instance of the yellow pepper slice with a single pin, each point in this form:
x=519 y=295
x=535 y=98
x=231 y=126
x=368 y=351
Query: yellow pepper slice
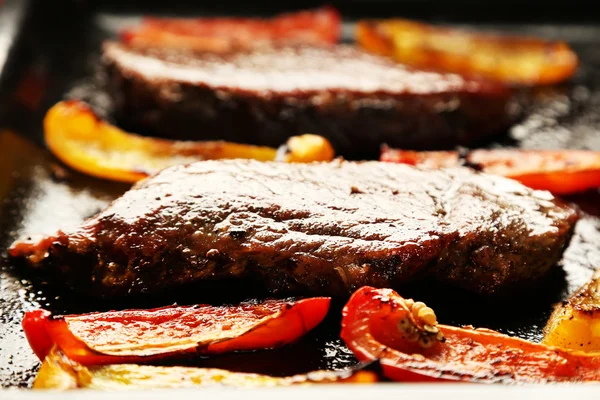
x=575 y=323
x=60 y=373
x=76 y=136
x=509 y=59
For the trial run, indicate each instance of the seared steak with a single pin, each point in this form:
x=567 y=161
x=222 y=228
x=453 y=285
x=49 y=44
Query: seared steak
x=355 y=99
x=311 y=228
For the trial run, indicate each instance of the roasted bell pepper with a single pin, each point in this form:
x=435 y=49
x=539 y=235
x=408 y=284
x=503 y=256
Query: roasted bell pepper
x=81 y=140
x=404 y=336
x=559 y=171
x=137 y=336
x=575 y=323
x=429 y=159
x=316 y=27
x=60 y=373
x=507 y=59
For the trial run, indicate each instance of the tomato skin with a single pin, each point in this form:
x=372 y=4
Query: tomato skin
x=138 y=336
x=370 y=329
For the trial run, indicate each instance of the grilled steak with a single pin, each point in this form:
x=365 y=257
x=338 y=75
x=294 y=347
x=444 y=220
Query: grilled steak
x=311 y=228
x=355 y=99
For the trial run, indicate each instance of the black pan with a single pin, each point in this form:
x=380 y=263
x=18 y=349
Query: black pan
x=54 y=53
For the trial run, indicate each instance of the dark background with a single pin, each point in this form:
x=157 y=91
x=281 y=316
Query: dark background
x=576 y=11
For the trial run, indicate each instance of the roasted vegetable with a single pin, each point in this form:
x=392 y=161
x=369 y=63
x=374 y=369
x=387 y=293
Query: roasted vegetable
x=60 y=373
x=404 y=336
x=317 y=27
x=143 y=335
x=511 y=60
x=559 y=171
x=429 y=159
x=575 y=323
x=85 y=143
x=305 y=149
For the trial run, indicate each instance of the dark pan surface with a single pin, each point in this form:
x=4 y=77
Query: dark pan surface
x=49 y=62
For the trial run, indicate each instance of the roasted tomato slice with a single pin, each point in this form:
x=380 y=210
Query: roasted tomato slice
x=404 y=336
x=142 y=335
x=558 y=171
x=81 y=140
x=316 y=27
x=511 y=60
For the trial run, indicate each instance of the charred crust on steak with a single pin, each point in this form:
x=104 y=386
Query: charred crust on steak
x=355 y=99
x=298 y=229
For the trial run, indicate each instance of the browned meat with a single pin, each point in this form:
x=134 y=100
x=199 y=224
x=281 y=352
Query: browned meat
x=355 y=99
x=311 y=228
